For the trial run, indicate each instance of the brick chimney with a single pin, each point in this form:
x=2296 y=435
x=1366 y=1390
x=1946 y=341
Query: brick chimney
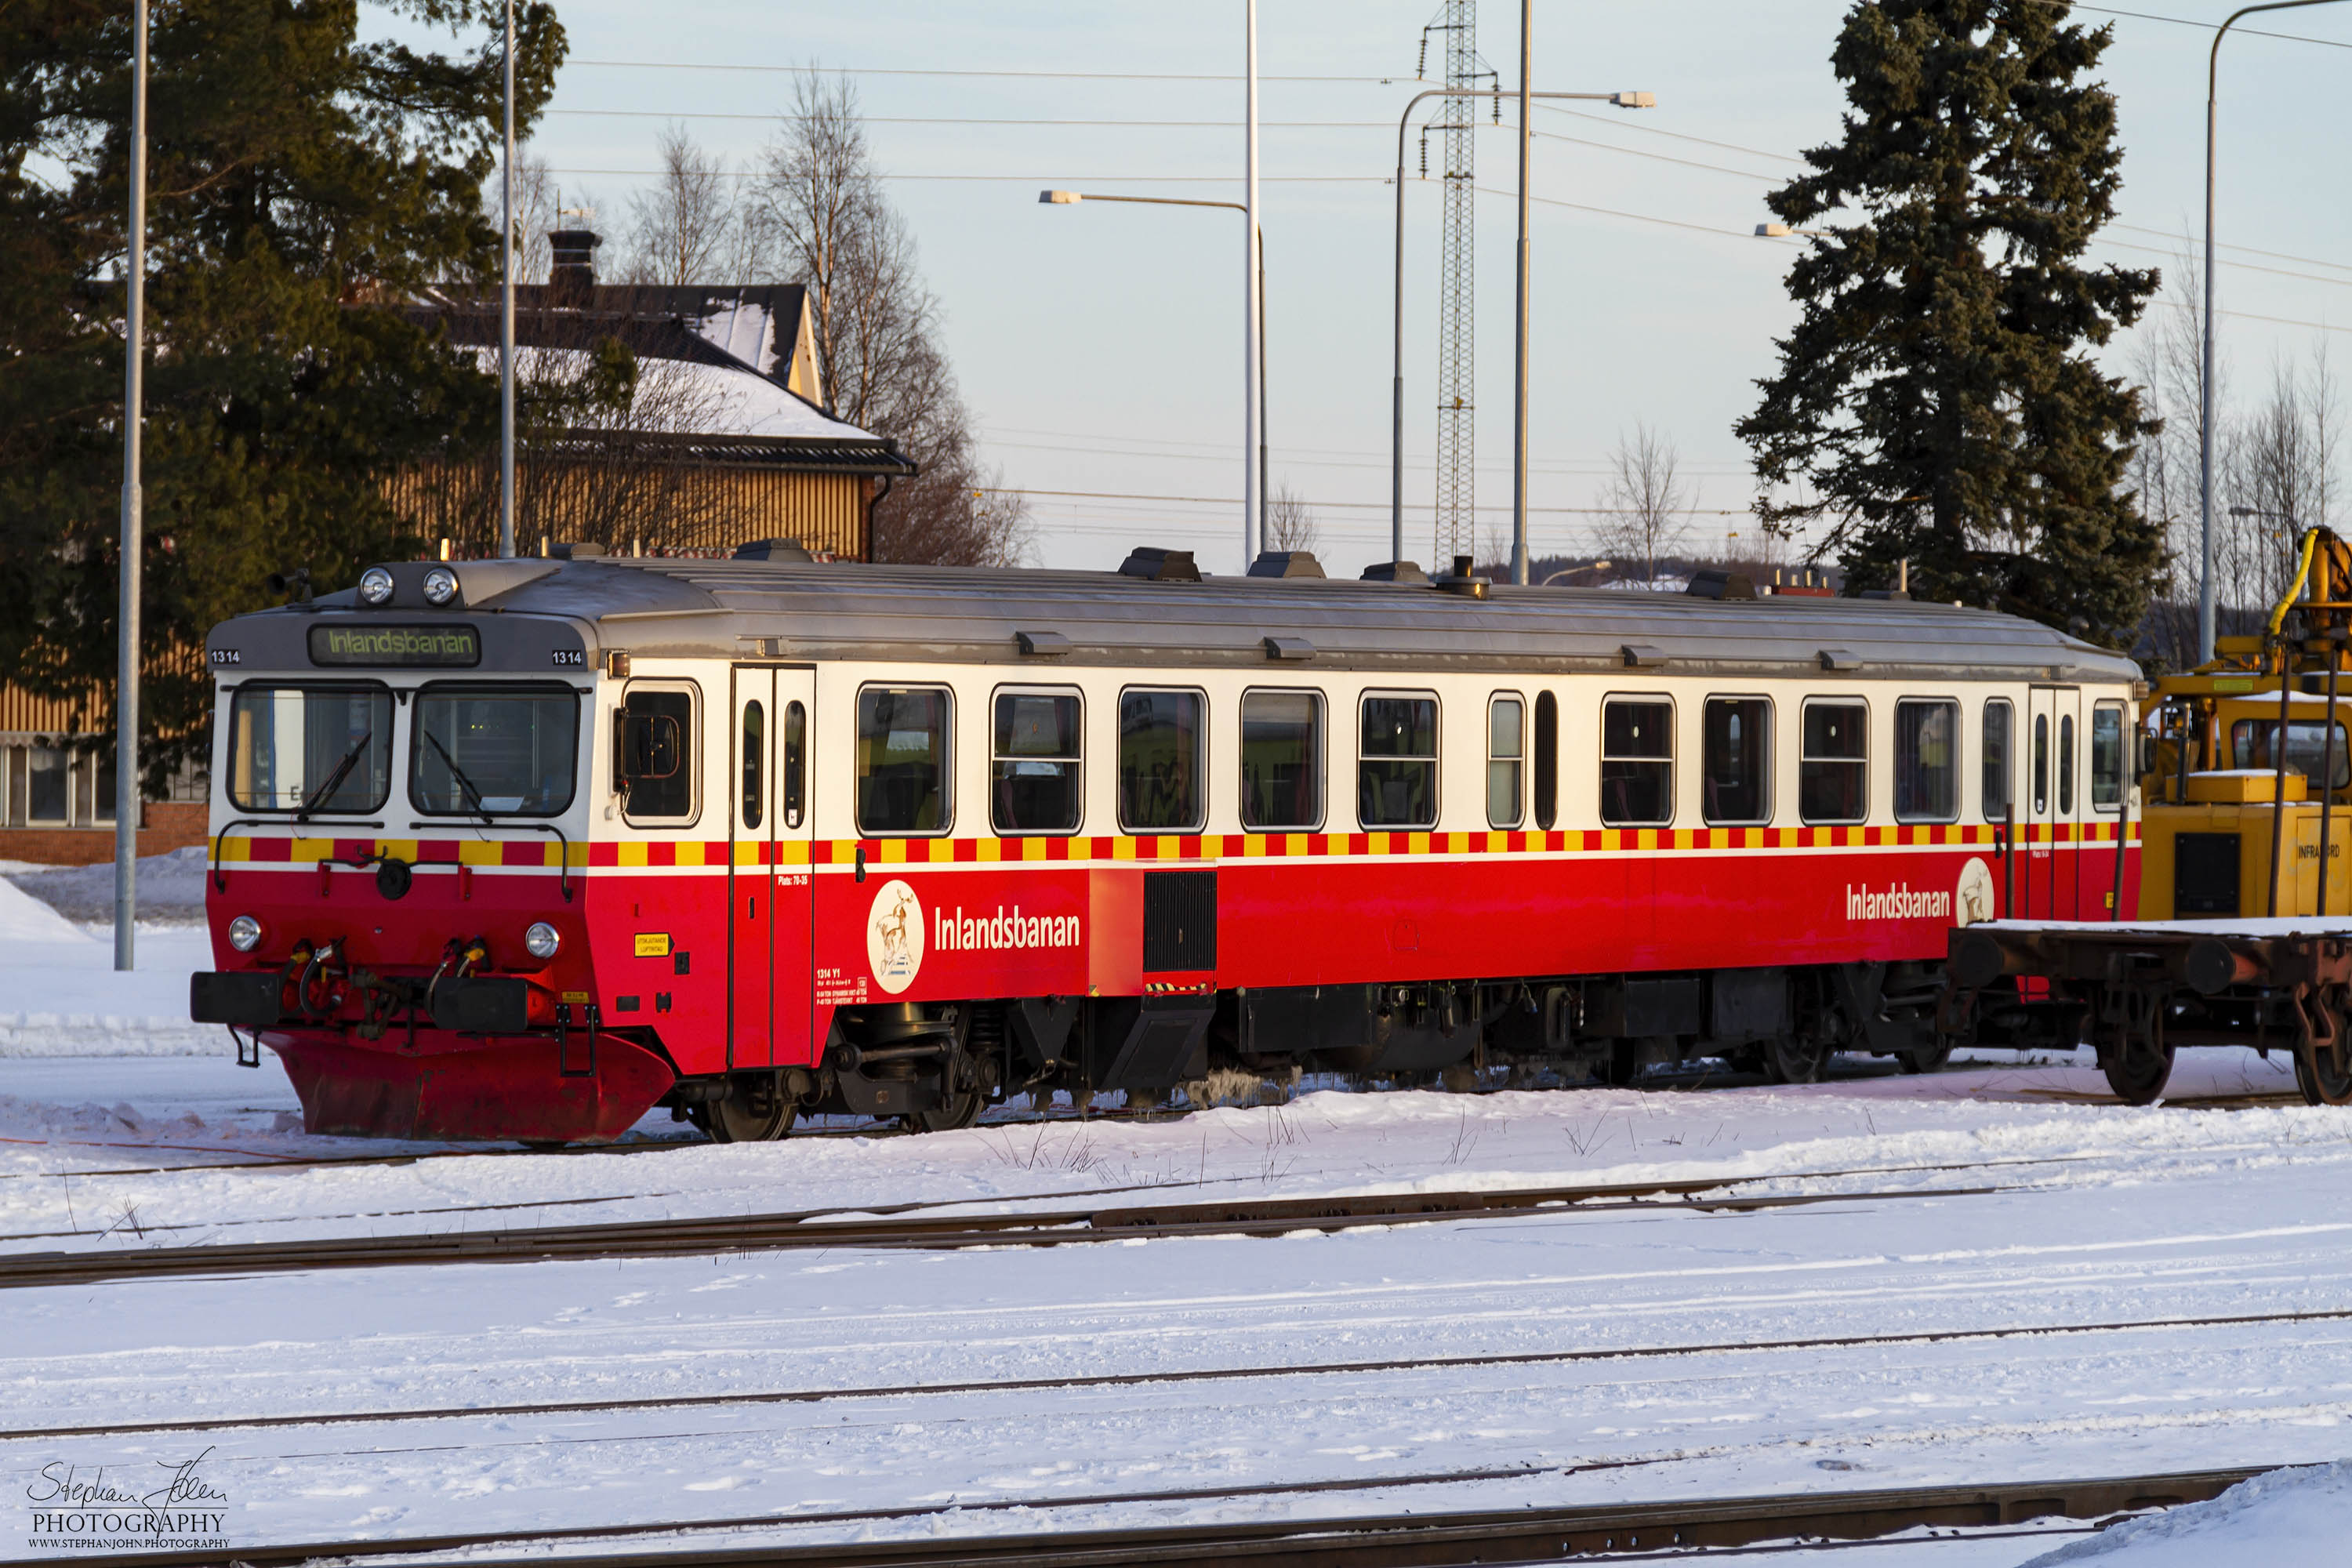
x=571 y=275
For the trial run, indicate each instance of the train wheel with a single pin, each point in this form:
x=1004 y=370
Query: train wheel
x=2136 y=1073
x=756 y=1110
x=1795 y=1058
x=963 y=1095
x=2321 y=1080
x=1930 y=1058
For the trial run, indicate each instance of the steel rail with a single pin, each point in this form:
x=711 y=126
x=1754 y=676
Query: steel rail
x=1374 y=1540
x=1149 y=1379
x=731 y=1233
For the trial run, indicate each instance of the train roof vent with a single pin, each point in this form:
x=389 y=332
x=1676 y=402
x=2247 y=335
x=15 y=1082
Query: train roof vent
x=1710 y=582
x=1642 y=656
x=1287 y=648
x=1286 y=564
x=1395 y=572
x=772 y=550
x=579 y=552
x=1840 y=658
x=1462 y=580
x=1154 y=564
x=1041 y=644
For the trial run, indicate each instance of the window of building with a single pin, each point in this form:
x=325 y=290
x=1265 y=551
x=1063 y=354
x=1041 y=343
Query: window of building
x=1159 y=761
x=1833 y=774
x=47 y=785
x=2253 y=744
x=1736 y=759
x=1998 y=765
x=1637 y=761
x=903 y=784
x=2042 y=765
x=755 y=764
x=484 y=751
x=795 y=764
x=1926 y=762
x=1506 y=760
x=2067 y=766
x=293 y=747
x=1396 y=765
x=1282 y=760
x=1547 y=760
x=1033 y=759
x=2107 y=755
x=102 y=775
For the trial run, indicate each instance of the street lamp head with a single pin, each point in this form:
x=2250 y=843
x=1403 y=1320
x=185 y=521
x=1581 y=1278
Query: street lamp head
x=1059 y=198
x=1635 y=100
x=1773 y=231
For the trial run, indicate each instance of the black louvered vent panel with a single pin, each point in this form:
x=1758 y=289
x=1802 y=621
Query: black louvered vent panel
x=1180 y=919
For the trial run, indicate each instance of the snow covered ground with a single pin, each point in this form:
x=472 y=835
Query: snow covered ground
x=2021 y=1199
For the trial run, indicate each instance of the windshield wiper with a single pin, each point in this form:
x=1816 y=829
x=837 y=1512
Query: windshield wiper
x=458 y=774
x=334 y=780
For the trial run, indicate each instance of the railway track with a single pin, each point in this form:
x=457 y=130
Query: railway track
x=1420 y=1540
x=755 y=1397
x=731 y=1234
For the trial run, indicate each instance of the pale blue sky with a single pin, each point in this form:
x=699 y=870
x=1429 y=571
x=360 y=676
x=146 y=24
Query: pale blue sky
x=1100 y=346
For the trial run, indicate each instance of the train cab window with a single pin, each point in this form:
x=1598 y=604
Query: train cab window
x=652 y=755
x=1996 y=763
x=2042 y=765
x=2107 y=756
x=2067 y=766
x=755 y=764
x=1735 y=760
x=795 y=764
x=903 y=781
x=1282 y=760
x=1160 y=737
x=1396 y=762
x=291 y=747
x=2254 y=743
x=1034 y=758
x=1832 y=770
x=1505 y=760
x=481 y=751
x=1637 y=761
x=1926 y=762
x=1547 y=760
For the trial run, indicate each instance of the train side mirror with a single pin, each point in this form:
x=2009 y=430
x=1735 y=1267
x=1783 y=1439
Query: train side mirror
x=2147 y=758
x=645 y=746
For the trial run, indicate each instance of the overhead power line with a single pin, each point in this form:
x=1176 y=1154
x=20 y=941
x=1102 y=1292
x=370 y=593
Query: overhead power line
x=1032 y=74
x=1333 y=505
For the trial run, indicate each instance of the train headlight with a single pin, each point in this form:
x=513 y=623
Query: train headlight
x=440 y=585
x=245 y=933
x=375 y=587
x=541 y=939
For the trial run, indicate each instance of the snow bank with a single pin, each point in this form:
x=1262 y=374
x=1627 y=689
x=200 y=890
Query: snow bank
x=25 y=919
x=61 y=996
x=2286 y=1518
x=171 y=887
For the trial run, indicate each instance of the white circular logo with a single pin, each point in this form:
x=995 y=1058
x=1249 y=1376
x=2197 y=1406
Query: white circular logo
x=1973 y=900
x=894 y=936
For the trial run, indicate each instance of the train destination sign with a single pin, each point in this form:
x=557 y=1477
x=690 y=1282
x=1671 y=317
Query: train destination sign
x=396 y=646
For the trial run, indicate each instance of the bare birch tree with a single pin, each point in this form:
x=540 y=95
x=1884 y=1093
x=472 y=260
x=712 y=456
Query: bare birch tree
x=1290 y=524
x=687 y=229
x=1649 y=501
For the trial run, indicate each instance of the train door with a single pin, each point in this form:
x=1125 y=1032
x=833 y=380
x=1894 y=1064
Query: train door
x=792 y=933
x=2056 y=802
x=752 y=872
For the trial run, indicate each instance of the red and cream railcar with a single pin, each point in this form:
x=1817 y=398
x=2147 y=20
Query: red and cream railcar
x=522 y=849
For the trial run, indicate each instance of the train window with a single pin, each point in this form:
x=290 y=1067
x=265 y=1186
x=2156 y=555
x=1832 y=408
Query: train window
x=486 y=750
x=1396 y=762
x=2042 y=765
x=755 y=764
x=1033 y=772
x=2067 y=766
x=795 y=763
x=291 y=747
x=1159 y=761
x=1282 y=760
x=652 y=755
x=1735 y=760
x=1926 y=762
x=903 y=785
x=1637 y=761
x=2107 y=756
x=1997 y=765
x=1832 y=770
x=1506 y=759
x=1547 y=760
x=2254 y=742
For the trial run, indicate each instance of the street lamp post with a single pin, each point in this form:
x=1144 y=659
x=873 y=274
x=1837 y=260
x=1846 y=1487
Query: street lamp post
x=1396 y=408
x=126 y=629
x=2205 y=604
x=507 y=310
x=1072 y=198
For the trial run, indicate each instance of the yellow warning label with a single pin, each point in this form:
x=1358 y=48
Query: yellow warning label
x=653 y=944
x=575 y=996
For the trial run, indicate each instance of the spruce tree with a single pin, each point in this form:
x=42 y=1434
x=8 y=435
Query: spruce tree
x=1937 y=396
x=302 y=181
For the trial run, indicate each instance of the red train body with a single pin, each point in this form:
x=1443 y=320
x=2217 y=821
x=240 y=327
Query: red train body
x=582 y=837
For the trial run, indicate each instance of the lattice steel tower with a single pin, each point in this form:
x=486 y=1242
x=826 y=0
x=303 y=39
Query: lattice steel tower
x=1457 y=337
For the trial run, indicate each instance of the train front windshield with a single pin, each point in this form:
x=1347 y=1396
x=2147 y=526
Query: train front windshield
x=311 y=747
x=490 y=752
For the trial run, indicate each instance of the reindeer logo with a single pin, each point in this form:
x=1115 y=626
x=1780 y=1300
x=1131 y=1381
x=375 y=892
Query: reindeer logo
x=1973 y=900
x=894 y=936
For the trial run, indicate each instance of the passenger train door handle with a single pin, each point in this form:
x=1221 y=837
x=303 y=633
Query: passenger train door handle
x=861 y=863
